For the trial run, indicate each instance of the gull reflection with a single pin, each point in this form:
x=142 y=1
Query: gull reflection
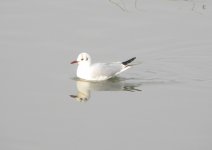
x=84 y=88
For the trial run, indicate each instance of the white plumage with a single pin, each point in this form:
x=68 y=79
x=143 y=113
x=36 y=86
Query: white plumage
x=99 y=71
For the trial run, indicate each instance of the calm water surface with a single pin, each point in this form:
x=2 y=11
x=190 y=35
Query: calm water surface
x=163 y=103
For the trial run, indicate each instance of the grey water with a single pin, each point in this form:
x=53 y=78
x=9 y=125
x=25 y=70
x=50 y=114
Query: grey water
x=162 y=103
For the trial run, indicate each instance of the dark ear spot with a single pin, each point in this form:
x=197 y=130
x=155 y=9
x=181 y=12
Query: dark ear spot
x=86 y=58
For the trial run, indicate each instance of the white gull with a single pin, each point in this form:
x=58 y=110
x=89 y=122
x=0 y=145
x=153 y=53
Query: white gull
x=99 y=71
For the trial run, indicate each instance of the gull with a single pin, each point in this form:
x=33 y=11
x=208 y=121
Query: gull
x=99 y=71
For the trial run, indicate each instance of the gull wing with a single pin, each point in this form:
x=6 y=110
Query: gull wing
x=106 y=70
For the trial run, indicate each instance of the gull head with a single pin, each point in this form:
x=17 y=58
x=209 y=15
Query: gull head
x=83 y=58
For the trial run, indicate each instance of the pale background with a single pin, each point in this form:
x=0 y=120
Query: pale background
x=165 y=103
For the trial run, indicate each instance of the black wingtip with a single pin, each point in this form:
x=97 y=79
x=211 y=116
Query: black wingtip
x=128 y=61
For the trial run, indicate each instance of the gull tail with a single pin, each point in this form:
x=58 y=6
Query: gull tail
x=128 y=61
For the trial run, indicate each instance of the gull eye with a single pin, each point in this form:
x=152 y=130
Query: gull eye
x=82 y=59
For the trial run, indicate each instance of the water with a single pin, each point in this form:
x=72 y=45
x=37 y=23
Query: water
x=163 y=103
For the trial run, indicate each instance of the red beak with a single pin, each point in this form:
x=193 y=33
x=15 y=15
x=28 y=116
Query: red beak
x=73 y=62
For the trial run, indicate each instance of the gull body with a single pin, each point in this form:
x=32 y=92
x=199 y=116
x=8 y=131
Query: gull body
x=99 y=71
